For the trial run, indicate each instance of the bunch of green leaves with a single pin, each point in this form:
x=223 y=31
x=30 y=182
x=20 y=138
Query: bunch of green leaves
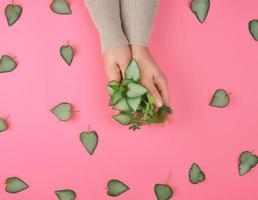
x=133 y=101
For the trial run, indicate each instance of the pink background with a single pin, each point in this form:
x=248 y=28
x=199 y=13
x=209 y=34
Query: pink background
x=197 y=59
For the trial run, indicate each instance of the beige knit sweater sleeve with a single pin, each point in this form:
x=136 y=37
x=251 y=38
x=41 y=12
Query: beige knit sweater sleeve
x=137 y=20
x=120 y=22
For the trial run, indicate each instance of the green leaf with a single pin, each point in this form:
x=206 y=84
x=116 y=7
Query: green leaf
x=67 y=53
x=122 y=105
x=12 y=13
x=246 y=162
x=3 y=125
x=195 y=174
x=135 y=90
x=61 y=7
x=125 y=82
x=134 y=102
x=116 y=187
x=112 y=86
x=62 y=111
x=124 y=119
x=159 y=116
x=15 y=185
x=163 y=191
x=133 y=71
x=89 y=140
x=7 y=64
x=200 y=8
x=65 y=194
x=165 y=109
x=220 y=99
x=253 y=28
x=117 y=96
x=150 y=98
x=156 y=118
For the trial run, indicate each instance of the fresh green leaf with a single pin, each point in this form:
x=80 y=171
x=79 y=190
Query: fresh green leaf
x=61 y=7
x=135 y=90
x=195 y=174
x=134 y=102
x=163 y=191
x=117 y=96
x=159 y=116
x=125 y=82
x=133 y=71
x=122 y=105
x=66 y=194
x=67 y=53
x=253 y=28
x=124 y=119
x=150 y=98
x=3 y=125
x=247 y=161
x=116 y=188
x=15 y=185
x=165 y=109
x=12 y=13
x=7 y=64
x=62 y=111
x=220 y=99
x=200 y=8
x=112 y=86
x=89 y=140
x=156 y=118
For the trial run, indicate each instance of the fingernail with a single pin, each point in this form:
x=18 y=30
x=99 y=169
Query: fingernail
x=159 y=102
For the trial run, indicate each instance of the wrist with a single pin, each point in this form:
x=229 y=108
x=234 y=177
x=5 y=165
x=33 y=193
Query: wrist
x=139 y=51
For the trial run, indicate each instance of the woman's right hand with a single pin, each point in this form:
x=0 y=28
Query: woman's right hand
x=116 y=61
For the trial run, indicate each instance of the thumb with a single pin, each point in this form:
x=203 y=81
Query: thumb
x=113 y=73
x=123 y=65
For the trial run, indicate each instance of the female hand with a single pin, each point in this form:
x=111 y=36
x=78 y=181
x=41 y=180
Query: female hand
x=151 y=76
x=116 y=61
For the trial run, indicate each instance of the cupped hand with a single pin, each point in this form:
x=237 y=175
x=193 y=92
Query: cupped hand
x=151 y=76
x=116 y=61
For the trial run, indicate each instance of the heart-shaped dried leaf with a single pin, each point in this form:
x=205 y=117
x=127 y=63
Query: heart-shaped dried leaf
x=3 y=125
x=124 y=119
x=62 y=111
x=61 y=7
x=15 y=185
x=89 y=141
x=66 y=194
x=200 y=8
x=12 y=13
x=134 y=102
x=220 y=99
x=163 y=191
x=7 y=64
x=133 y=71
x=122 y=105
x=116 y=187
x=195 y=174
x=253 y=28
x=246 y=162
x=67 y=53
x=135 y=90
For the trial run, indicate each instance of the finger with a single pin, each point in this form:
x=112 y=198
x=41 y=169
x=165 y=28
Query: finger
x=155 y=93
x=113 y=73
x=162 y=86
x=123 y=65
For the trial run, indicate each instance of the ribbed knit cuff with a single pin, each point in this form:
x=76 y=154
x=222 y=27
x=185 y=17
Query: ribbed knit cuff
x=137 y=20
x=107 y=19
